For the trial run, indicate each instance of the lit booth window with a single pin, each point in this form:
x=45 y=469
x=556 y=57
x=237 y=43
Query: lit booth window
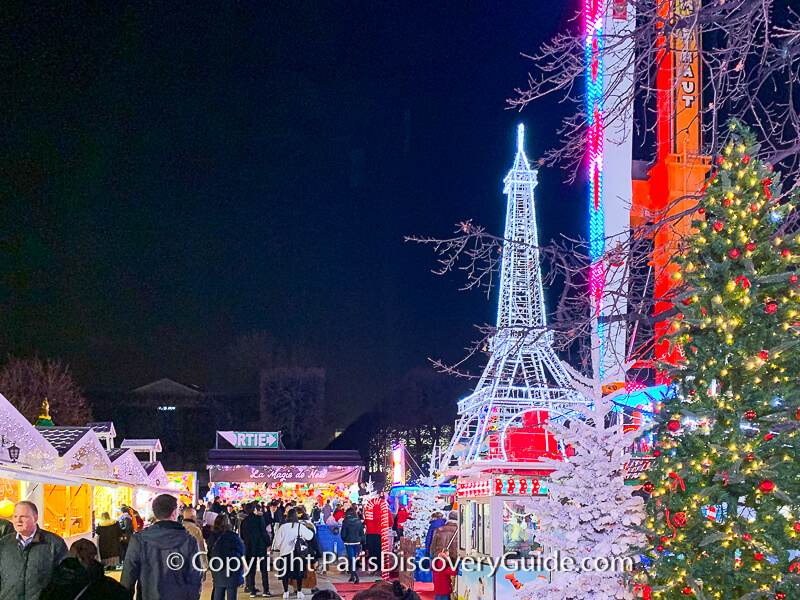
x=67 y=509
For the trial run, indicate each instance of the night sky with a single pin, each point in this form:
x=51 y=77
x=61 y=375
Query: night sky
x=175 y=175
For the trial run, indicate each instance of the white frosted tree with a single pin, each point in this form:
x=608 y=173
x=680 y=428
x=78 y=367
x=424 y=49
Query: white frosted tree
x=369 y=492
x=589 y=512
x=422 y=507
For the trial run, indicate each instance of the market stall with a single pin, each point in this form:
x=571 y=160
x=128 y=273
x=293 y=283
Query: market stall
x=68 y=508
x=185 y=483
x=243 y=470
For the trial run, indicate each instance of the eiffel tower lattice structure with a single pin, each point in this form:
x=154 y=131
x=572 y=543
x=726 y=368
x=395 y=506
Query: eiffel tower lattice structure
x=523 y=374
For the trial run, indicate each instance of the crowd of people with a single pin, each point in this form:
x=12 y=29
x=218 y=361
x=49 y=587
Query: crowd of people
x=169 y=557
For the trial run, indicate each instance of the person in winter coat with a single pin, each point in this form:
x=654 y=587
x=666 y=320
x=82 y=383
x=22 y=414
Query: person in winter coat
x=443 y=572
x=225 y=544
x=446 y=537
x=27 y=559
x=327 y=511
x=138 y=521
x=81 y=576
x=6 y=527
x=399 y=520
x=256 y=542
x=109 y=534
x=190 y=524
x=437 y=520
x=353 y=537
x=128 y=528
x=338 y=514
x=155 y=552
x=310 y=580
x=291 y=570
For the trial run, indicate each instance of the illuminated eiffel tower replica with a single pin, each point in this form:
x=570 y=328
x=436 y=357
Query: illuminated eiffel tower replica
x=523 y=373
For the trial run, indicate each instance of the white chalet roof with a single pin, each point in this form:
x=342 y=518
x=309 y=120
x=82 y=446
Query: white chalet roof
x=79 y=449
x=145 y=445
x=126 y=467
x=156 y=474
x=35 y=451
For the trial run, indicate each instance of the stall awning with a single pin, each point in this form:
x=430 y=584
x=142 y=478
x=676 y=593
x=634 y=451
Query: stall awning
x=9 y=471
x=289 y=466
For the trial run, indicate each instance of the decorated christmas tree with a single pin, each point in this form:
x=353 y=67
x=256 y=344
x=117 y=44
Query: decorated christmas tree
x=423 y=505
x=589 y=512
x=724 y=517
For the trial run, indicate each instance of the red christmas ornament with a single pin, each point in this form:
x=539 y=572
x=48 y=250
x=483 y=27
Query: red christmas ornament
x=718 y=226
x=763 y=355
x=766 y=486
x=771 y=307
x=649 y=487
x=664 y=539
x=767 y=182
x=657 y=453
x=734 y=253
x=750 y=415
x=701 y=210
x=758 y=556
x=745 y=159
x=660 y=548
x=692 y=392
x=751 y=246
x=687 y=591
x=727 y=202
x=754 y=207
x=768 y=437
x=673 y=425
x=746 y=537
x=750 y=457
x=797 y=414
x=786 y=253
x=780 y=596
x=679 y=519
x=720 y=160
x=796 y=527
x=793 y=278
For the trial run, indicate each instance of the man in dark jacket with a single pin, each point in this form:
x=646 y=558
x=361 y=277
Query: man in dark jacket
x=353 y=537
x=446 y=537
x=256 y=544
x=28 y=558
x=162 y=559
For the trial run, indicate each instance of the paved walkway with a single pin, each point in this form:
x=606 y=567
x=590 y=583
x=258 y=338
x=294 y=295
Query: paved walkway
x=331 y=580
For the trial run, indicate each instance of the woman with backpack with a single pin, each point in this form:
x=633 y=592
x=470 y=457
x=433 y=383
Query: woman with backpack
x=292 y=545
x=223 y=543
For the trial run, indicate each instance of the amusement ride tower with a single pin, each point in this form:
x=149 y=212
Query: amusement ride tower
x=523 y=382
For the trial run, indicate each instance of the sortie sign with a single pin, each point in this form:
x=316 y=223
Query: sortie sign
x=251 y=439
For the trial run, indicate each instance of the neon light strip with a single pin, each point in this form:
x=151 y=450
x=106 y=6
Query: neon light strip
x=594 y=111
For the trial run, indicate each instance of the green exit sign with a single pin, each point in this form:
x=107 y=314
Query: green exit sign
x=251 y=439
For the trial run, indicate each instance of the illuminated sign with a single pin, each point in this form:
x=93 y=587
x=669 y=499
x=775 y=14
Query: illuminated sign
x=501 y=486
x=399 y=464
x=251 y=439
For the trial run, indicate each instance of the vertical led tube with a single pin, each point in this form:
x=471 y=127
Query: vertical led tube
x=594 y=14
